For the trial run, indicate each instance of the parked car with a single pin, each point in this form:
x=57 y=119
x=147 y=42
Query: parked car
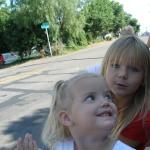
x=8 y=58
x=1 y=59
x=108 y=37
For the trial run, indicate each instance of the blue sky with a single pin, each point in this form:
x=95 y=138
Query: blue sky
x=139 y=9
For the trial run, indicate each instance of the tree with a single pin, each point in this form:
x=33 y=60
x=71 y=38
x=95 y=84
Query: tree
x=134 y=23
x=119 y=17
x=66 y=21
x=71 y=22
x=99 y=18
x=23 y=29
x=4 y=17
x=2 y=2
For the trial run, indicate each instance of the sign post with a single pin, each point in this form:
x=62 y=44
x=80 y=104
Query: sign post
x=45 y=26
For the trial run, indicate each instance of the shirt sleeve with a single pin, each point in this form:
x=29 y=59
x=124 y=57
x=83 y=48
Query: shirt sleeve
x=138 y=129
x=96 y=69
x=122 y=146
x=134 y=131
x=65 y=145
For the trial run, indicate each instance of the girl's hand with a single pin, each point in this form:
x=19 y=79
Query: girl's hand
x=28 y=143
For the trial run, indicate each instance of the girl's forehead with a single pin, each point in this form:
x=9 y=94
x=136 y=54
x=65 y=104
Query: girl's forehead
x=90 y=83
x=127 y=58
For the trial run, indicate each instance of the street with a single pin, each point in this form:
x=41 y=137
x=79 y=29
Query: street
x=26 y=91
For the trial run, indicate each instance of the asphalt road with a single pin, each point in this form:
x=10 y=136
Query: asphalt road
x=26 y=91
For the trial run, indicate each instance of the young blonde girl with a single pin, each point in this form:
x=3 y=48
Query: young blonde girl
x=81 y=117
x=126 y=67
x=68 y=119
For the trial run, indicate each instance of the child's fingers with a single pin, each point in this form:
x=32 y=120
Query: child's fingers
x=35 y=145
x=26 y=142
x=19 y=145
x=31 y=143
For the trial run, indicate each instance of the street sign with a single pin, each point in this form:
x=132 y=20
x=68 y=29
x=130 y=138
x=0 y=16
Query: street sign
x=45 y=25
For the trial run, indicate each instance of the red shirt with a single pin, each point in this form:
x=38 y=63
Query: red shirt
x=138 y=130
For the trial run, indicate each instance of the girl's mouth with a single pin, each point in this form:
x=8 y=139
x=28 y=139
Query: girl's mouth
x=121 y=85
x=106 y=113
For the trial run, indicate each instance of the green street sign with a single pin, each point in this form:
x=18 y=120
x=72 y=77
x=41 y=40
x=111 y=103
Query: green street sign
x=45 y=25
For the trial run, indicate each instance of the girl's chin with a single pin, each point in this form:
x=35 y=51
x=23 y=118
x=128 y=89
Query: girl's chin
x=118 y=93
x=107 y=125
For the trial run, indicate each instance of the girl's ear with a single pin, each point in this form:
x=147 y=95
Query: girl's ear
x=64 y=118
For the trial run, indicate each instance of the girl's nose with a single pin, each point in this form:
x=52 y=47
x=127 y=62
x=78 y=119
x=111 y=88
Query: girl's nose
x=104 y=103
x=122 y=73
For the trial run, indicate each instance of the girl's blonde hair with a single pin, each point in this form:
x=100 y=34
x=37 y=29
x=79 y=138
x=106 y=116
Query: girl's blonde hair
x=148 y=42
x=54 y=130
x=132 y=51
x=127 y=30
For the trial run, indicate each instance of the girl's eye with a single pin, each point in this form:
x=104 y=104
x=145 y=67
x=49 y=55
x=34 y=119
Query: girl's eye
x=115 y=65
x=90 y=98
x=108 y=95
x=135 y=69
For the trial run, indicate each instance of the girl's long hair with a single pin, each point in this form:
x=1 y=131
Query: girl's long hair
x=53 y=130
x=132 y=51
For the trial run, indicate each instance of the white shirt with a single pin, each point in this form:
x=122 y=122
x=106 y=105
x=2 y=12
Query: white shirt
x=122 y=146
x=96 y=69
x=65 y=145
x=69 y=145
